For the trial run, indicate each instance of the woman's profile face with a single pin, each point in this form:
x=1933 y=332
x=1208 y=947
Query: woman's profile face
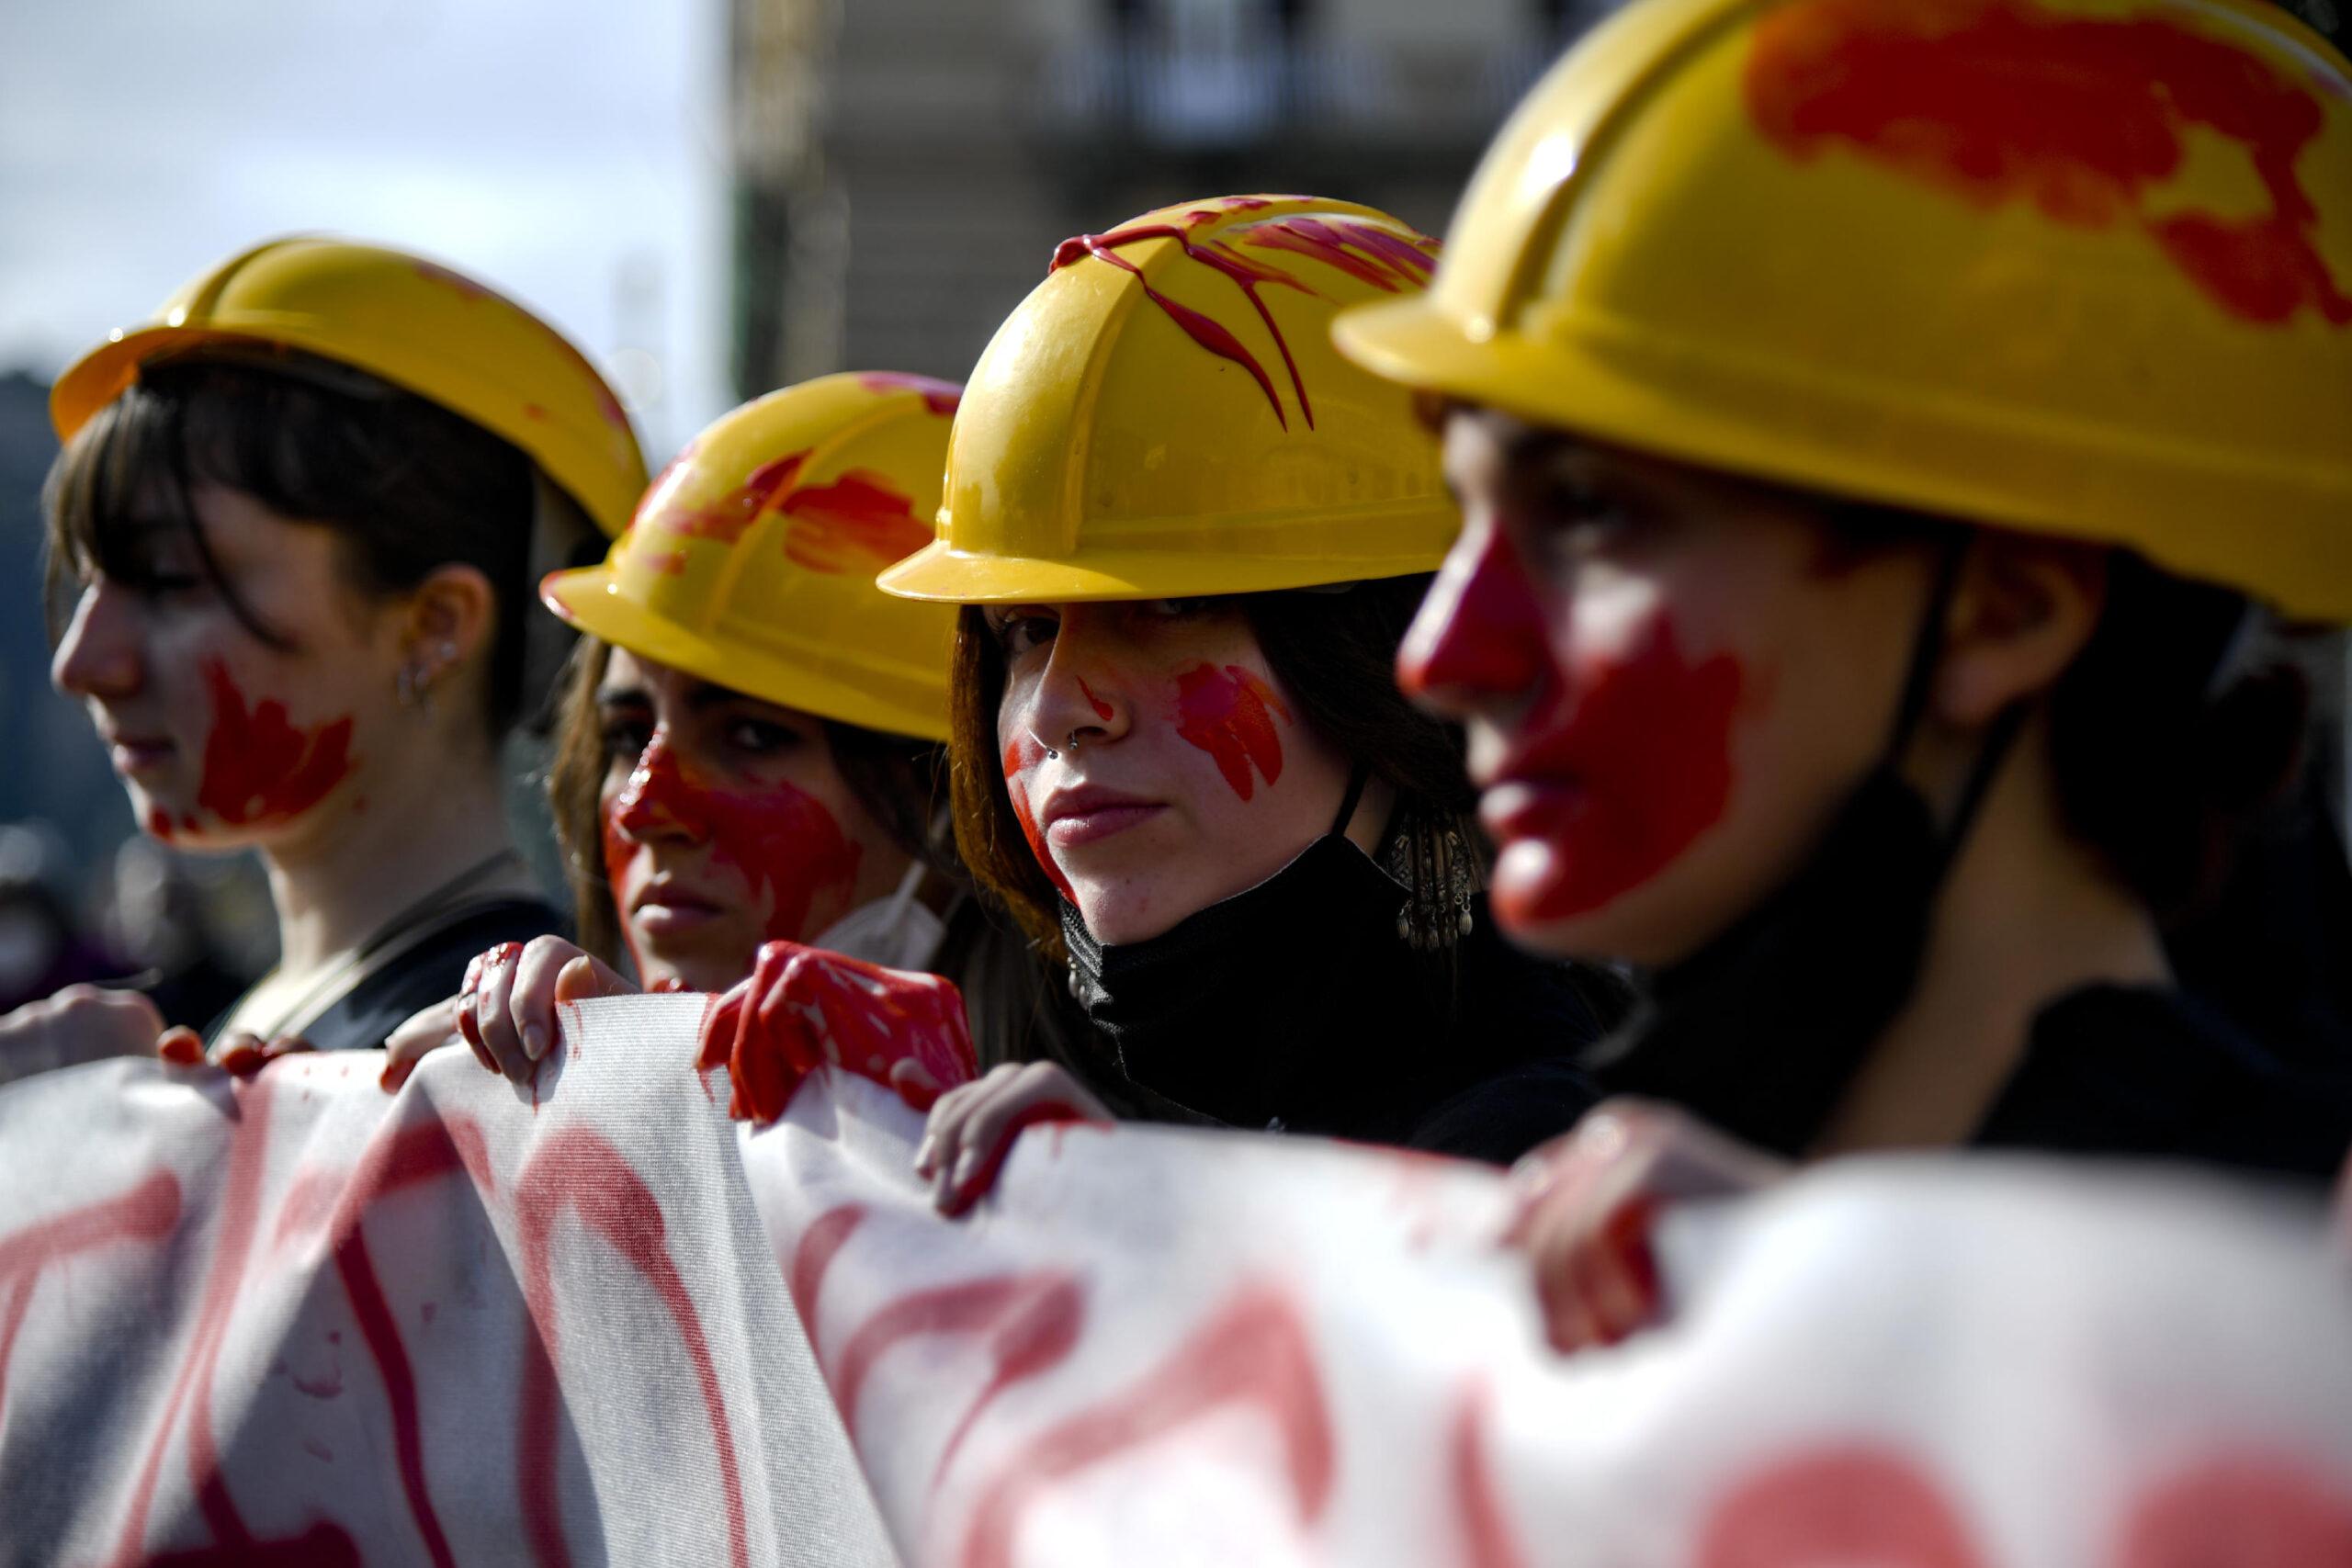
x=223 y=740
x=726 y=824
x=1155 y=761
x=1671 y=682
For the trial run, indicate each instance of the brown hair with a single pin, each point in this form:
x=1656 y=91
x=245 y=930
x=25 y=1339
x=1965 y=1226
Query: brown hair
x=1335 y=655
x=898 y=779
x=406 y=486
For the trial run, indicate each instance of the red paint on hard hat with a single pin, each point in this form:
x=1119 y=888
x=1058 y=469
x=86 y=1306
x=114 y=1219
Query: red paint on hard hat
x=1229 y=714
x=939 y=397
x=1630 y=752
x=859 y=522
x=1019 y=757
x=2002 y=100
x=260 y=768
x=1365 y=252
x=725 y=519
x=783 y=841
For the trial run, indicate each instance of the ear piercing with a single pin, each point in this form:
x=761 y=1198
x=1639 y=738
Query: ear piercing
x=413 y=686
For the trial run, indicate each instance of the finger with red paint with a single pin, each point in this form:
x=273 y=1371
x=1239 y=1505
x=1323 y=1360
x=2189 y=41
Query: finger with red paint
x=181 y=1047
x=549 y=972
x=1589 y=1205
x=489 y=1002
x=462 y=1011
x=972 y=1128
x=239 y=1052
x=423 y=1031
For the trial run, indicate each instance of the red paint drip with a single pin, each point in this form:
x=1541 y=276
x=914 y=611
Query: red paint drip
x=1488 y=1540
x=1844 y=1504
x=2002 y=100
x=260 y=768
x=1365 y=252
x=1031 y=1321
x=2251 y=1510
x=783 y=839
x=724 y=520
x=1204 y=329
x=324 y=1545
x=939 y=397
x=859 y=523
x=1102 y=709
x=1229 y=714
x=159 y=824
x=812 y=1258
x=578 y=1169
x=148 y=1212
x=1255 y=1353
x=1017 y=758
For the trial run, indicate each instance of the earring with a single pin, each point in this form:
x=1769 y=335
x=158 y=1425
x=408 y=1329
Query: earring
x=1441 y=878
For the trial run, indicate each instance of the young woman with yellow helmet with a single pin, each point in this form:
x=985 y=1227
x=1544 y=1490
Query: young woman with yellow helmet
x=751 y=750
x=1884 y=433
x=293 y=534
x=1186 y=538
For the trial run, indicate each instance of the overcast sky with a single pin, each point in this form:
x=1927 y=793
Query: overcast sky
x=570 y=151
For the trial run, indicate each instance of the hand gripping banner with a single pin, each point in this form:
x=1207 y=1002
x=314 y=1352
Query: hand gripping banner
x=300 y=1322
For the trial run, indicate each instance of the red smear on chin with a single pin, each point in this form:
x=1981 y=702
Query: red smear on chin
x=1229 y=714
x=2002 y=100
x=1640 y=740
x=784 y=841
x=859 y=522
x=260 y=768
x=1018 y=757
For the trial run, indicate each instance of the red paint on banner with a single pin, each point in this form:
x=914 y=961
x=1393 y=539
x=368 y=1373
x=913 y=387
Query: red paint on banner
x=2251 y=1510
x=812 y=1258
x=1020 y=756
x=2084 y=116
x=723 y=521
x=1487 y=1540
x=939 y=397
x=324 y=1545
x=260 y=768
x=1102 y=710
x=148 y=1212
x=578 y=1169
x=1255 y=1352
x=860 y=522
x=788 y=847
x=1229 y=714
x=1842 y=1504
x=1031 y=1323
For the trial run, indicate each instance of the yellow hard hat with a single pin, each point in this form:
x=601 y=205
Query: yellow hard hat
x=2081 y=267
x=750 y=562
x=410 y=321
x=1164 y=415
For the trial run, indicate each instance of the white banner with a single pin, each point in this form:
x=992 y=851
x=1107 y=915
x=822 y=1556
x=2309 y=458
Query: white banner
x=299 y=1322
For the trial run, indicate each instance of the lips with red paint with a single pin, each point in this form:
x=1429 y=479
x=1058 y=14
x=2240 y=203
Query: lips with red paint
x=1090 y=813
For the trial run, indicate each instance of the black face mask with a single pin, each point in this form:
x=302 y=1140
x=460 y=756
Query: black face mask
x=1761 y=1030
x=1213 y=1015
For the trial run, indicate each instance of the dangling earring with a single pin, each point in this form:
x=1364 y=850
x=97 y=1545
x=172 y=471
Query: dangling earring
x=1441 y=876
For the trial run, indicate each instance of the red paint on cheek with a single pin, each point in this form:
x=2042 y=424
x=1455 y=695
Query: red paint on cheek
x=859 y=522
x=260 y=768
x=783 y=839
x=2001 y=100
x=1102 y=709
x=159 y=824
x=1018 y=757
x=1229 y=714
x=619 y=850
x=1631 y=759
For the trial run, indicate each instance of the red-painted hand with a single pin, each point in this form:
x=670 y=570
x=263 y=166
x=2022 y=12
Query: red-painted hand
x=803 y=1009
x=1589 y=1199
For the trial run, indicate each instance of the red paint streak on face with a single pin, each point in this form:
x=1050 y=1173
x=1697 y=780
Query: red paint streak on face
x=148 y=1212
x=620 y=850
x=1488 y=1539
x=1102 y=709
x=1205 y=331
x=1229 y=714
x=812 y=1258
x=2257 y=1510
x=783 y=839
x=1637 y=746
x=159 y=824
x=939 y=397
x=1031 y=1321
x=1019 y=757
x=1254 y=1352
x=577 y=1170
x=859 y=522
x=1365 y=252
x=724 y=520
x=2000 y=101
x=259 y=767
x=390 y=1163
x=1844 y=1504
